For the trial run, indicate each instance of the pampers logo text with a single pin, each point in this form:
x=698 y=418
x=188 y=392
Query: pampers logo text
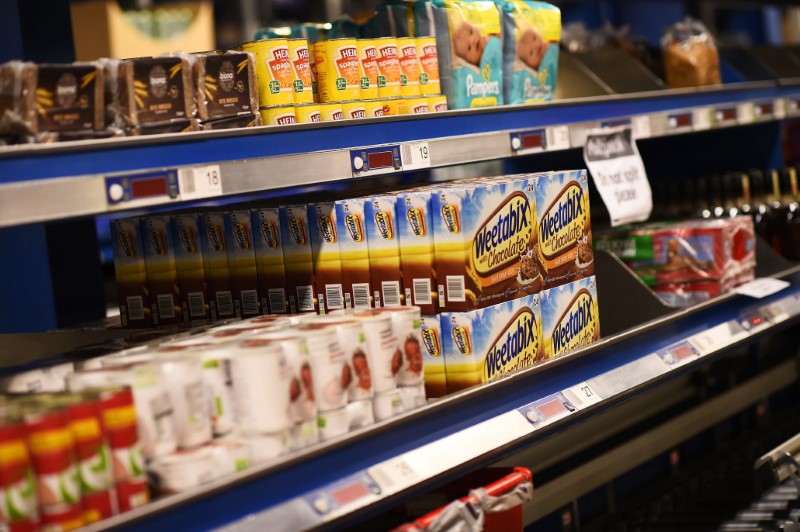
x=482 y=89
x=504 y=235
x=573 y=328
x=563 y=222
x=515 y=348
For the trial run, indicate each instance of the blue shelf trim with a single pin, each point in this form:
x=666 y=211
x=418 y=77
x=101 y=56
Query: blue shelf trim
x=197 y=149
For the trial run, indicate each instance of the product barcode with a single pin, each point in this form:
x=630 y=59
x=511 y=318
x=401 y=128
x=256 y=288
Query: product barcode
x=135 y=308
x=277 y=300
x=305 y=299
x=166 y=306
x=249 y=302
x=455 y=288
x=422 y=292
x=391 y=293
x=224 y=303
x=197 y=304
x=187 y=182
x=333 y=293
x=361 y=295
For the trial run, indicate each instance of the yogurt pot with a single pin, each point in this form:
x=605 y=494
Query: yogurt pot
x=229 y=455
x=304 y=434
x=183 y=377
x=329 y=363
x=215 y=362
x=265 y=447
x=357 y=379
x=385 y=356
x=184 y=470
x=360 y=414
x=333 y=423
x=387 y=405
x=413 y=396
x=261 y=385
x=406 y=325
x=155 y=416
x=281 y=320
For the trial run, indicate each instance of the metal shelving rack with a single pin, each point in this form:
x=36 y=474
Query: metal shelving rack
x=644 y=343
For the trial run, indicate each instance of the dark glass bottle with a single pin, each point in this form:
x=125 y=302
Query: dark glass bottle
x=790 y=234
x=763 y=217
x=702 y=208
x=716 y=200
x=730 y=195
x=744 y=196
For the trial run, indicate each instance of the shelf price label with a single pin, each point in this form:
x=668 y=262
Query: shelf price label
x=779 y=106
x=745 y=113
x=717 y=338
x=582 y=395
x=557 y=138
x=394 y=475
x=618 y=172
x=375 y=161
x=765 y=110
x=547 y=410
x=416 y=155
x=641 y=127
x=701 y=118
x=725 y=116
x=200 y=182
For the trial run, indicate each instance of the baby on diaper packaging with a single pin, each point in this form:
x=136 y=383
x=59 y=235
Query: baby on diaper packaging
x=531 y=35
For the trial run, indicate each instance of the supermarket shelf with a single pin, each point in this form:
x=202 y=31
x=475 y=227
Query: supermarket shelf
x=408 y=455
x=82 y=178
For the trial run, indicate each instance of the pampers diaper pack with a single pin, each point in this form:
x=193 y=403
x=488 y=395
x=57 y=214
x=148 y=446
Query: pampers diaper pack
x=531 y=33
x=470 y=51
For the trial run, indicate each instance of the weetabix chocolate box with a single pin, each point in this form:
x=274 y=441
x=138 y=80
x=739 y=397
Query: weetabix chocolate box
x=189 y=266
x=433 y=356
x=162 y=275
x=354 y=253
x=570 y=317
x=131 y=275
x=385 y=272
x=564 y=226
x=268 y=244
x=487 y=344
x=327 y=265
x=297 y=258
x=242 y=263
x=215 y=263
x=415 y=231
x=485 y=237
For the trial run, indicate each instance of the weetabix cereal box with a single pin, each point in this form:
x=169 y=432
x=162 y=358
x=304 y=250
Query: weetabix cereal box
x=385 y=272
x=162 y=276
x=570 y=317
x=565 y=227
x=488 y=344
x=215 y=262
x=268 y=245
x=415 y=230
x=484 y=237
x=131 y=275
x=189 y=266
x=325 y=256
x=433 y=357
x=354 y=253
x=242 y=263
x=297 y=261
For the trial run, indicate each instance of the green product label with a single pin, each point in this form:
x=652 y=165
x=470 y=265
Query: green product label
x=381 y=82
x=274 y=87
x=365 y=82
x=403 y=80
x=298 y=85
x=423 y=79
x=341 y=84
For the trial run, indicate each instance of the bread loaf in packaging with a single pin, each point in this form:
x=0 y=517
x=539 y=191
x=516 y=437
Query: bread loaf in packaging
x=691 y=58
x=225 y=85
x=17 y=98
x=155 y=90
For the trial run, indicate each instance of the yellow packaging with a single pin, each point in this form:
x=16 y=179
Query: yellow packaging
x=417 y=106
x=433 y=356
x=338 y=70
x=278 y=116
x=388 y=68
x=301 y=67
x=313 y=70
x=410 y=66
x=307 y=113
x=429 y=62
x=368 y=56
x=373 y=108
x=330 y=112
x=273 y=71
x=437 y=103
x=353 y=110
x=395 y=107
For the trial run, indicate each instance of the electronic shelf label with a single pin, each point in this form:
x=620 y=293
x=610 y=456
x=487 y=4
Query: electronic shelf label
x=765 y=110
x=343 y=495
x=678 y=354
x=132 y=189
x=725 y=115
x=388 y=159
x=539 y=140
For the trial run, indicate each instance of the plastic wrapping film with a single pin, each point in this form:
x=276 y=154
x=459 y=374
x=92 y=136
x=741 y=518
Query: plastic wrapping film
x=225 y=85
x=691 y=58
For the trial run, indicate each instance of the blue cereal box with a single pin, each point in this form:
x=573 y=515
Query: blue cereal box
x=488 y=344
x=570 y=317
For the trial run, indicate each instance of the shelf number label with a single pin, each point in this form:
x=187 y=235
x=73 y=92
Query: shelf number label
x=417 y=155
x=582 y=395
x=393 y=475
x=641 y=127
x=200 y=182
x=557 y=138
x=745 y=112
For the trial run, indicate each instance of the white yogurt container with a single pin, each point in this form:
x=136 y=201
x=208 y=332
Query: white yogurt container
x=184 y=470
x=360 y=414
x=385 y=356
x=183 y=377
x=230 y=455
x=406 y=325
x=333 y=423
x=265 y=447
x=413 y=396
x=329 y=365
x=387 y=405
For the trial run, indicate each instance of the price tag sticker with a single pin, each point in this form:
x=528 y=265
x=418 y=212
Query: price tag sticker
x=200 y=182
x=761 y=287
x=701 y=118
x=716 y=338
x=394 y=475
x=779 y=108
x=641 y=127
x=745 y=113
x=582 y=395
x=618 y=172
x=557 y=138
x=415 y=156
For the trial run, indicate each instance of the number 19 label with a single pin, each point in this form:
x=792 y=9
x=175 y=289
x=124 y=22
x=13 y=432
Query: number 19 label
x=417 y=155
